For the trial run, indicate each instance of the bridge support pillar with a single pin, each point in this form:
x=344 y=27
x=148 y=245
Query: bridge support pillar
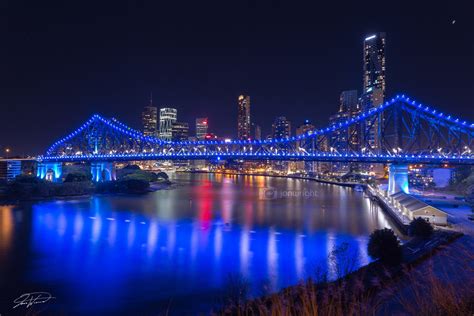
x=398 y=178
x=103 y=171
x=50 y=171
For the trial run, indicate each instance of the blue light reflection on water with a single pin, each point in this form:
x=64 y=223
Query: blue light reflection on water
x=99 y=256
x=99 y=251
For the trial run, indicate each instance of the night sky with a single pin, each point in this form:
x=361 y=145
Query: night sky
x=61 y=62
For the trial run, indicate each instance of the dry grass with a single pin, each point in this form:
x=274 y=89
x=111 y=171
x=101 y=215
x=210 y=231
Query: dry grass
x=433 y=287
x=443 y=285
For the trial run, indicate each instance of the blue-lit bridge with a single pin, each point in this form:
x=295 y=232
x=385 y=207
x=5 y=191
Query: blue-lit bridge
x=399 y=132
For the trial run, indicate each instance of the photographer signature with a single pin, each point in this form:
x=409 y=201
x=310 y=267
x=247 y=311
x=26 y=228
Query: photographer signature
x=30 y=299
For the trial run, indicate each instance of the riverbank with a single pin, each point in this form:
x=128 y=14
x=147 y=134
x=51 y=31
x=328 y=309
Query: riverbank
x=40 y=190
x=363 y=291
x=344 y=184
x=401 y=221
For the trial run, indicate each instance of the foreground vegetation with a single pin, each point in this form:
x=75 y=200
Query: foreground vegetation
x=131 y=180
x=462 y=183
x=430 y=285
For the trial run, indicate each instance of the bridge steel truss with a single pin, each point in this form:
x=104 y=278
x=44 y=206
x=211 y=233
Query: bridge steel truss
x=399 y=131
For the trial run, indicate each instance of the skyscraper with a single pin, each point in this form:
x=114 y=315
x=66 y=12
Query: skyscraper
x=258 y=132
x=149 y=119
x=339 y=136
x=374 y=62
x=281 y=128
x=348 y=101
x=374 y=87
x=349 y=104
x=201 y=128
x=168 y=116
x=243 y=117
x=304 y=128
x=180 y=131
x=304 y=145
x=371 y=99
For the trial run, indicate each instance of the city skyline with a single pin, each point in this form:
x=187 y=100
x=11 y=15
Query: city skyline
x=299 y=88
x=208 y=157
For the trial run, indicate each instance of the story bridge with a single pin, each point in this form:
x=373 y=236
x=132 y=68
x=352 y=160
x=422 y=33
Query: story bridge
x=399 y=132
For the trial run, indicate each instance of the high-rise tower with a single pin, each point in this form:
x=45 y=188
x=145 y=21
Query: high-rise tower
x=374 y=62
x=168 y=116
x=281 y=128
x=149 y=119
x=201 y=128
x=373 y=93
x=243 y=117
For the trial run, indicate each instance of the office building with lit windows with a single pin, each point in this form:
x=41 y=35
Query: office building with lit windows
x=149 y=120
x=257 y=132
x=243 y=117
x=374 y=62
x=180 y=131
x=168 y=116
x=201 y=128
x=281 y=128
x=9 y=169
x=305 y=145
x=374 y=85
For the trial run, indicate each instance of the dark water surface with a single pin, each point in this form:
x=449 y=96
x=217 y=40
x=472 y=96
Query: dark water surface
x=178 y=250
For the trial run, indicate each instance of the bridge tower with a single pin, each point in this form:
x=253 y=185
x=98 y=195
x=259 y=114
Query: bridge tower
x=398 y=178
x=50 y=171
x=103 y=171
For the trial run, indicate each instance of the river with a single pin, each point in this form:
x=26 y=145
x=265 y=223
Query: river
x=180 y=249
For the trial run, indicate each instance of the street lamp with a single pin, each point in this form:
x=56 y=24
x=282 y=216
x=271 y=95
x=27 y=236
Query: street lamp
x=7 y=151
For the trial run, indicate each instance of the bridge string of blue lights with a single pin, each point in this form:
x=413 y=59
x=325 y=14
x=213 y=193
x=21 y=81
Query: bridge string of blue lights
x=429 y=113
x=131 y=132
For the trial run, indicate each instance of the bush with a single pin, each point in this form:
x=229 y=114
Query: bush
x=29 y=187
x=134 y=172
x=419 y=227
x=73 y=188
x=132 y=167
x=162 y=175
x=27 y=179
x=384 y=245
x=133 y=186
x=78 y=177
x=141 y=175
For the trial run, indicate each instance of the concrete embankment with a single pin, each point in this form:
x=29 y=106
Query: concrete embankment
x=401 y=224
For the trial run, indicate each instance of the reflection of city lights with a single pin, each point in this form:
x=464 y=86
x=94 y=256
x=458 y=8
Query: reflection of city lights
x=244 y=252
x=299 y=256
x=272 y=259
x=6 y=227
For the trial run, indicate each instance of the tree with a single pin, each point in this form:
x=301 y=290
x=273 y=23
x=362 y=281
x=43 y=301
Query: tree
x=384 y=245
x=132 y=167
x=78 y=177
x=419 y=227
x=162 y=175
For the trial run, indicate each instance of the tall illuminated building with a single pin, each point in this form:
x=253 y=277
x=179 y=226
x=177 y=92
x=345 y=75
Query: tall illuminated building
x=281 y=128
x=243 y=117
x=304 y=145
x=168 y=116
x=201 y=128
x=180 y=131
x=149 y=120
x=339 y=136
x=374 y=88
x=349 y=103
x=374 y=62
x=257 y=132
x=304 y=128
